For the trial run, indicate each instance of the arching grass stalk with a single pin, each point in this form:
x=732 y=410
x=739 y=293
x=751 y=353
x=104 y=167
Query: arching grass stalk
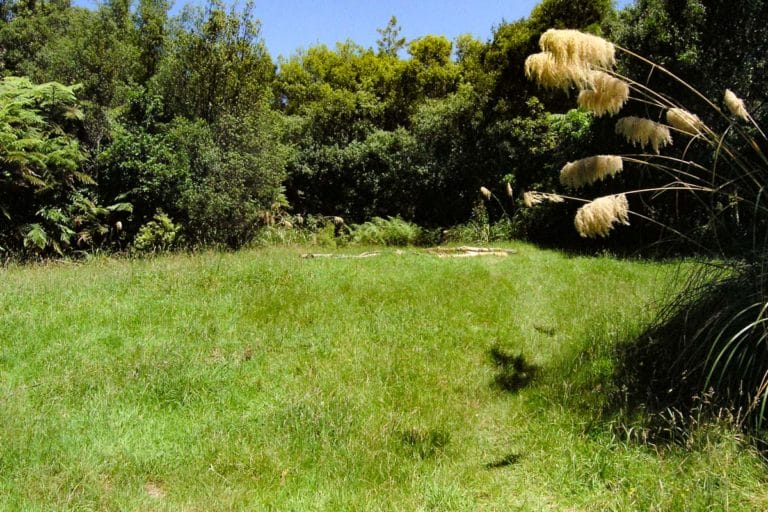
x=716 y=332
x=488 y=195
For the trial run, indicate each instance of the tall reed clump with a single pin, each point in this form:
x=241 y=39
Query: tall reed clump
x=715 y=333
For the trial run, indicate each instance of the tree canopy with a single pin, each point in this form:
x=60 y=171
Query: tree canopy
x=189 y=117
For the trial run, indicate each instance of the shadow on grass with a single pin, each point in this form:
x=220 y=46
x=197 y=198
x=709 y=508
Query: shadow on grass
x=514 y=371
x=508 y=460
x=705 y=358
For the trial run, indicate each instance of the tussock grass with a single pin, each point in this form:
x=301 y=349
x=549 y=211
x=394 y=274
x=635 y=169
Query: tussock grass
x=263 y=381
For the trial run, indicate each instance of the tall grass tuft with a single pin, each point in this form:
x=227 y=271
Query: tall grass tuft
x=714 y=334
x=392 y=231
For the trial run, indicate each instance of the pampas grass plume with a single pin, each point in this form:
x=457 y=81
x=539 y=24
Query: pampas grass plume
x=509 y=190
x=589 y=170
x=533 y=198
x=644 y=132
x=486 y=193
x=575 y=46
x=598 y=217
x=735 y=105
x=607 y=94
x=552 y=73
x=684 y=121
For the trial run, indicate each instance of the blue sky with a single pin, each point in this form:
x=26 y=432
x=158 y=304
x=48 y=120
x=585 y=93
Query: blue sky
x=291 y=24
x=288 y=25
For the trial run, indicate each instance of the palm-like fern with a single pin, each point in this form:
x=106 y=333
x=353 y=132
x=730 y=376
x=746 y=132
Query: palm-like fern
x=34 y=150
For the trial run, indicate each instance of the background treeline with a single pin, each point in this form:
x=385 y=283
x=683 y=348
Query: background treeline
x=125 y=126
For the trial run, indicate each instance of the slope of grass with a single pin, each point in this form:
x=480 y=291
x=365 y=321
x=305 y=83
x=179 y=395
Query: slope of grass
x=263 y=381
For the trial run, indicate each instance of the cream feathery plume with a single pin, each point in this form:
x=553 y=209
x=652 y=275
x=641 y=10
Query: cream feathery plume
x=598 y=217
x=589 y=170
x=509 y=189
x=685 y=121
x=575 y=46
x=607 y=94
x=533 y=198
x=486 y=193
x=644 y=132
x=552 y=73
x=735 y=105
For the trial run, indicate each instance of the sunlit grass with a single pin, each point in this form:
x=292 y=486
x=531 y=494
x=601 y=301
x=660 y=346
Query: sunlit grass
x=263 y=381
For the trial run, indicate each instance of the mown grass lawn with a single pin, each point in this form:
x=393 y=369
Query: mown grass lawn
x=263 y=381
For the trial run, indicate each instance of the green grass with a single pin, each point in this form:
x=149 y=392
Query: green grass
x=263 y=381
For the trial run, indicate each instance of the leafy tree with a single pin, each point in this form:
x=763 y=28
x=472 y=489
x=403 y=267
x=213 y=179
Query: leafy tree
x=215 y=64
x=75 y=45
x=235 y=181
x=151 y=22
x=430 y=69
x=145 y=169
x=26 y=29
x=588 y=15
x=710 y=44
x=391 y=42
x=447 y=133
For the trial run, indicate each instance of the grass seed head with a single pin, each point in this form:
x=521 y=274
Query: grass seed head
x=551 y=73
x=589 y=170
x=735 y=105
x=509 y=190
x=607 y=94
x=486 y=193
x=644 y=132
x=575 y=46
x=533 y=198
x=684 y=121
x=598 y=217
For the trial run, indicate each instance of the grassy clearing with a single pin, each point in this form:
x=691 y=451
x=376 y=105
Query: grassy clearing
x=262 y=381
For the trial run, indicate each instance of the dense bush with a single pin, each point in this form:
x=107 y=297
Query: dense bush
x=159 y=234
